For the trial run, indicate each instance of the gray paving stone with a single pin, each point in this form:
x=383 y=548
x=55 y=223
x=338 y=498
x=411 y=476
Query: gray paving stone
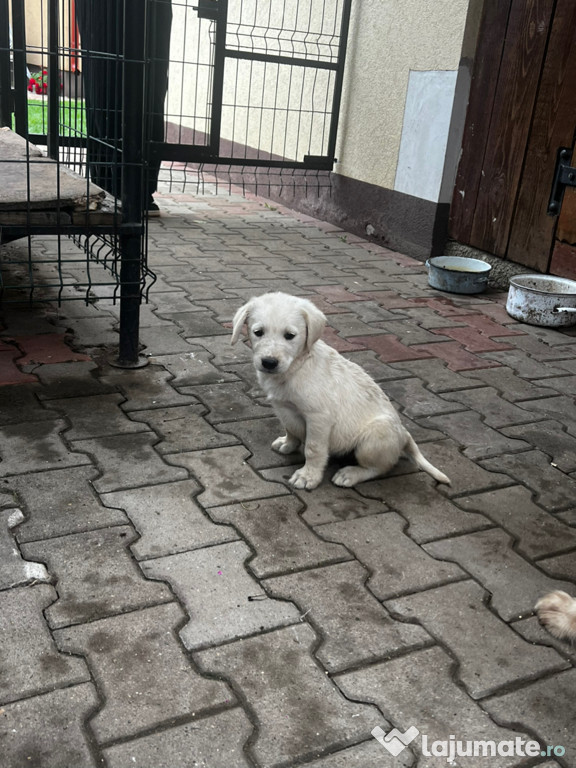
x=496 y=411
x=14 y=570
x=536 y=532
x=436 y=375
x=368 y=754
x=94 y=416
x=372 y=364
x=408 y=332
x=525 y=366
x=168 y=519
x=348 y=324
x=29 y=659
x=59 y=502
x=468 y=429
x=36 y=446
x=560 y=566
x=183 y=428
x=328 y=503
x=539 y=350
x=546 y=708
x=397 y=565
x=418 y=689
x=194 y=324
x=276 y=532
x=560 y=408
x=106 y=583
x=225 y=475
x=222 y=599
x=128 y=461
x=222 y=352
x=353 y=626
x=229 y=402
x=164 y=303
x=20 y=403
x=164 y=340
x=145 y=388
x=430 y=514
x=416 y=401
x=213 y=742
x=509 y=385
x=515 y=584
x=117 y=649
x=550 y=438
x=491 y=655
x=554 y=490
x=300 y=713
x=554 y=338
x=48 y=730
x=195 y=367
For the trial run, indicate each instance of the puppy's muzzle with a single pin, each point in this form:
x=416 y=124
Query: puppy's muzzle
x=269 y=364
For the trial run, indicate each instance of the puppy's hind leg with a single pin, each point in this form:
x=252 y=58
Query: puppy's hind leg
x=377 y=452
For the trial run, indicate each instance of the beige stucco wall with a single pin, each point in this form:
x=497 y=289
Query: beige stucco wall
x=37 y=32
x=388 y=40
x=390 y=43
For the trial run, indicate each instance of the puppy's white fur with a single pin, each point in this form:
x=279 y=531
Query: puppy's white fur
x=557 y=612
x=324 y=401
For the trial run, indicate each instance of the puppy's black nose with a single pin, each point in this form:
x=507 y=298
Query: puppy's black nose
x=269 y=363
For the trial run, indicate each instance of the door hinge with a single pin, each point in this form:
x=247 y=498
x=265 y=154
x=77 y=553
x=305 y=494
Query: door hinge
x=564 y=176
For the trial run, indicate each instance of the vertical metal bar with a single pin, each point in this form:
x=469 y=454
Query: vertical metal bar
x=218 y=76
x=53 y=141
x=132 y=159
x=20 y=78
x=339 y=79
x=5 y=86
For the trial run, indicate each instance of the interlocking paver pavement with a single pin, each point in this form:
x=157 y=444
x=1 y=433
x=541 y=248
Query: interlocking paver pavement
x=223 y=600
x=199 y=611
x=31 y=663
x=300 y=711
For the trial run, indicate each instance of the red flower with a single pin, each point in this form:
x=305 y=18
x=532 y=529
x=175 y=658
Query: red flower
x=38 y=88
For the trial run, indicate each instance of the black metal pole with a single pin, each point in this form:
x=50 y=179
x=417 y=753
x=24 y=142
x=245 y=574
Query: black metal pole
x=344 y=28
x=5 y=87
x=218 y=76
x=53 y=81
x=20 y=78
x=132 y=174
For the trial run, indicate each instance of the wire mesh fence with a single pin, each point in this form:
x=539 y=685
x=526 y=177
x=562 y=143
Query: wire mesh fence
x=101 y=100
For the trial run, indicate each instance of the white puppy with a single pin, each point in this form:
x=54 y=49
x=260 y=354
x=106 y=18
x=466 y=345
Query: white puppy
x=557 y=612
x=323 y=400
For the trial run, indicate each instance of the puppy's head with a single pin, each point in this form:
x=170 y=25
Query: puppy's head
x=281 y=328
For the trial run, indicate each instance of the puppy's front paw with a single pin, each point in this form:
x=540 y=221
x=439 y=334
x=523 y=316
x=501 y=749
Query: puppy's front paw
x=306 y=478
x=285 y=445
x=557 y=612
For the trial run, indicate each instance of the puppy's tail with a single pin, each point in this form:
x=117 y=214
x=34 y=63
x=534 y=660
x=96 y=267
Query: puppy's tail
x=416 y=455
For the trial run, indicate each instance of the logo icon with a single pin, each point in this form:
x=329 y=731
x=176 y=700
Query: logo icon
x=395 y=741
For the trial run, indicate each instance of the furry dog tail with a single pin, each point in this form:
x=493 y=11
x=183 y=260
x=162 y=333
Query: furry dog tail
x=557 y=612
x=415 y=454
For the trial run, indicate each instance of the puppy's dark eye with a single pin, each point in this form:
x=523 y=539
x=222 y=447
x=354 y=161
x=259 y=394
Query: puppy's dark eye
x=289 y=336
x=259 y=332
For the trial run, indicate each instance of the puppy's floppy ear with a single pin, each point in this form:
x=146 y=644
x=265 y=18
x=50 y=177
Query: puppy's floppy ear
x=315 y=323
x=238 y=322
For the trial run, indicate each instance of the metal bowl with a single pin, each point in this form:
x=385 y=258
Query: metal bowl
x=456 y=274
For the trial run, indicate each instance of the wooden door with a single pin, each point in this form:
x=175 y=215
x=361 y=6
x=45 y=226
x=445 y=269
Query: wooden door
x=522 y=108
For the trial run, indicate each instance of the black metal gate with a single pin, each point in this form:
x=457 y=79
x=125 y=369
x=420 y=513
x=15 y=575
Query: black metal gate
x=258 y=83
